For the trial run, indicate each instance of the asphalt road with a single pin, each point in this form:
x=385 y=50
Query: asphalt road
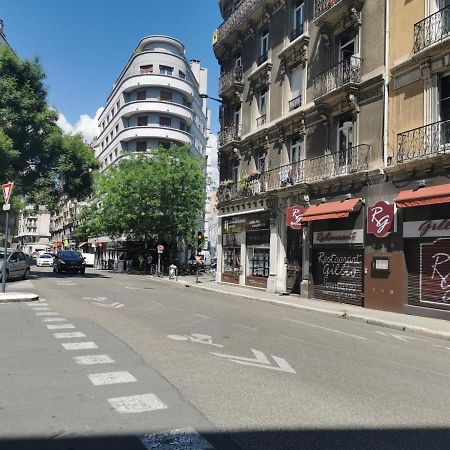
x=112 y=358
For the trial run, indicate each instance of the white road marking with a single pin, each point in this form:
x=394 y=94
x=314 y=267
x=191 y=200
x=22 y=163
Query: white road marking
x=332 y=330
x=204 y=317
x=195 y=337
x=441 y=346
x=93 y=359
x=54 y=319
x=401 y=337
x=100 y=379
x=137 y=403
x=109 y=305
x=48 y=314
x=42 y=304
x=42 y=308
x=180 y=439
x=79 y=345
x=75 y=334
x=60 y=326
x=244 y=326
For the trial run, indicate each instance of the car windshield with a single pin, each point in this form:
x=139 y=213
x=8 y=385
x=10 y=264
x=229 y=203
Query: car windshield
x=68 y=255
x=47 y=256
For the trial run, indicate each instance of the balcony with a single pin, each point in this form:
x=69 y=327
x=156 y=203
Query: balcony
x=260 y=121
x=423 y=142
x=296 y=32
x=432 y=30
x=350 y=161
x=231 y=79
x=331 y=11
x=295 y=103
x=344 y=75
x=229 y=134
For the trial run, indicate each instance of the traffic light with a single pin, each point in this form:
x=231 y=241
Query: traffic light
x=200 y=239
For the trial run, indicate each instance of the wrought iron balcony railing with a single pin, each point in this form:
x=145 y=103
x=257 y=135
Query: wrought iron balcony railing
x=351 y=160
x=432 y=29
x=260 y=121
x=296 y=32
x=245 y=8
x=229 y=134
x=346 y=71
x=230 y=78
x=423 y=142
x=295 y=103
x=322 y=6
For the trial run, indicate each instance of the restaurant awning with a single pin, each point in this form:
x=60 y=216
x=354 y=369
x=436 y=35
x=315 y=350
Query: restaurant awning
x=432 y=195
x=331 y=210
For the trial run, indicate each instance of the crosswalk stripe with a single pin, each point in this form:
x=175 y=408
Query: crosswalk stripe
x=93 y=359
x=79 y=345
x=75 y=334
x=100 y=379
x=54 y=319
x=60 y=326
x=137 y=403
x=50 y=313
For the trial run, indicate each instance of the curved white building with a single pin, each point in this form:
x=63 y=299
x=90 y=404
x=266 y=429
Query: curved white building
x=154 y=102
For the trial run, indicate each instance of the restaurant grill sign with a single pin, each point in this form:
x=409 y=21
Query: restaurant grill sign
x=338 y=237
x=427 y=228
x=381 y=219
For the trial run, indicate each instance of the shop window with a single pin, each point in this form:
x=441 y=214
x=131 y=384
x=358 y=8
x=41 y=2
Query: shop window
x=231 y=259
x=259 y=262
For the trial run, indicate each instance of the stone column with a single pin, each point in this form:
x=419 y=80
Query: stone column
x=219 y=253
x=306 y=257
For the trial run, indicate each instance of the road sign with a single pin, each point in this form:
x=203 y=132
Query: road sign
x=160 y=248
x=7 y=188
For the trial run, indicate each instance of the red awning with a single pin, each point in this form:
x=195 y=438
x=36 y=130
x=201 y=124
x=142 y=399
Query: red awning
x=331 y=210
x=432 y=195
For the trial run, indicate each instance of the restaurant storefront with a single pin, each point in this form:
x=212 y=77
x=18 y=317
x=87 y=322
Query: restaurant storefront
x=294 y=248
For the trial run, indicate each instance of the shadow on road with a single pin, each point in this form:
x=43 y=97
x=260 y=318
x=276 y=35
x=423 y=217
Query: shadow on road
x=308 y=439
x=50 y=274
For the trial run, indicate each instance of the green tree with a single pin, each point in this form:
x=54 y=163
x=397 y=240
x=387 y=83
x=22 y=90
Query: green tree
x=148 y=196
x=44 y=164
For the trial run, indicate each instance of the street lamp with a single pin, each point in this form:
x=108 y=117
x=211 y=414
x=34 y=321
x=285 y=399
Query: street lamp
x=212 y=98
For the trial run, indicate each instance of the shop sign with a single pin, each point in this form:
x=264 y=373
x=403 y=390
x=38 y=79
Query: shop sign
x=339 y=237
x=294 y=216
x=381 y=219
x=435 y=271
x=427 y=228
x=250 y=222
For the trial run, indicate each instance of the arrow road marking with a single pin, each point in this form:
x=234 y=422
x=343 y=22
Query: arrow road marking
x=261 y=361
x=107 y=305
x=195 y=337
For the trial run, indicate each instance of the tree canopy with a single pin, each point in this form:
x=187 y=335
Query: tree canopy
x=146 y=196
x=44 y=164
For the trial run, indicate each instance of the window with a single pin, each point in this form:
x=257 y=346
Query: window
x=296 y=82
x=146 y=69
x=235 y=171
x=165 y=96
x=262 y=103
x=118 y=105
x=346 y=47
x=142 y=121
x=445 y=98
x=264 y=50
x=164 y=144
x=141 y=94
x=345 y=141
x=238 y=61
x=182 y=75
x=141 y=146
x=165 y=122
x=260 y=161
x=297 y=28
x=116 y=129
x=182 y=125
x=166 y=70
x=185 y=101
x=259 y=262
x=237 y=116
x=294 y=150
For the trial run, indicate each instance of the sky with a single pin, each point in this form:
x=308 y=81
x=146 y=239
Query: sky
x=83 y=45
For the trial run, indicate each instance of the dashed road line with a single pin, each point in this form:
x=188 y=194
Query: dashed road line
x=50 y=313
x=75 y=334
x=79 y=345
x=244 y=326
x=137 y=403
x=93 y=359
x=101 y=379
x=43 y=308
x=54 y=319
x=61 y=326
x=179 y=439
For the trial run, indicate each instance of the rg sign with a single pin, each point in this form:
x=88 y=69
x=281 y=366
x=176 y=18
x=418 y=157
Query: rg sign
x=294 y=217
x=381 y=219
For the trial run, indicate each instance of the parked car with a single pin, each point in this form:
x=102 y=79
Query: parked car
x=17 y=264
x=46 y=259
x=69 y=261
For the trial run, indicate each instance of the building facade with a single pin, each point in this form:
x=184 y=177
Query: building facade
x=34 y=229
x=154 y=102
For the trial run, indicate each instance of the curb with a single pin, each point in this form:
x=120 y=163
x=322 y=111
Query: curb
x=339 y=314
x=18 y=297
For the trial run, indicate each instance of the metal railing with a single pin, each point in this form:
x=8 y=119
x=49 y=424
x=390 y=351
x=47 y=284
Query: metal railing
x=295 y=102
x=229 y=134
x=260 y=121
x=245 y=8
x=346 y=162
x=346 y=71
x=296 y=32
x=432 y=29
x=229 y=78
x=322 y=6
x=423 y=142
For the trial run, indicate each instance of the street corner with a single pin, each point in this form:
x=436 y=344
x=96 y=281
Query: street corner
x=11 y=297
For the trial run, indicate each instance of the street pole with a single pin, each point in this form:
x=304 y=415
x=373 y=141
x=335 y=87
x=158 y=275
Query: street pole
x=159 y=264
x=6 y=254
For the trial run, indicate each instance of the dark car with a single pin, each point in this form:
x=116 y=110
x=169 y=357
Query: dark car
x=69 y=261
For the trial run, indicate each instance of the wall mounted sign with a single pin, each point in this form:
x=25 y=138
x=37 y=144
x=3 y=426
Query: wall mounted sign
x=427 y=228
x=339 y=237
x=381 y=219
x=435 y=271
x=294 y=216
x=249 y=222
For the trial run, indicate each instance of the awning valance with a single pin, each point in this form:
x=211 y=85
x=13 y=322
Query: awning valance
x=331 y=210
x=432 y=195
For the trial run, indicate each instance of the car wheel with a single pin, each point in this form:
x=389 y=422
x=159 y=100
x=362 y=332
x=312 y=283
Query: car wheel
x=26 y=274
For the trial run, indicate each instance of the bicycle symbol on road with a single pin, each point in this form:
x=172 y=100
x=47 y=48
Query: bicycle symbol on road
x=195 y=337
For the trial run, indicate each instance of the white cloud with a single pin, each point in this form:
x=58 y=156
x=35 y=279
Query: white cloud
x=86 y=126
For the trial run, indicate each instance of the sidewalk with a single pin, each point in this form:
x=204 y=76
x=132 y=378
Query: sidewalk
x=402 y=322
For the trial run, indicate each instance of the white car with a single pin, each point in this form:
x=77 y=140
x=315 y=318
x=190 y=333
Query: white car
x=46 y=259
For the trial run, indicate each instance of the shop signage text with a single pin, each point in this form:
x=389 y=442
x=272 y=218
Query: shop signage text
x=294 y=216
x=249 y=222
x=381 y=219
x=339 y=237
x=427 y=228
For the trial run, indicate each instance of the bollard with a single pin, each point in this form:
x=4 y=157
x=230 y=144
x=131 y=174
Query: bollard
x=173 y=272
